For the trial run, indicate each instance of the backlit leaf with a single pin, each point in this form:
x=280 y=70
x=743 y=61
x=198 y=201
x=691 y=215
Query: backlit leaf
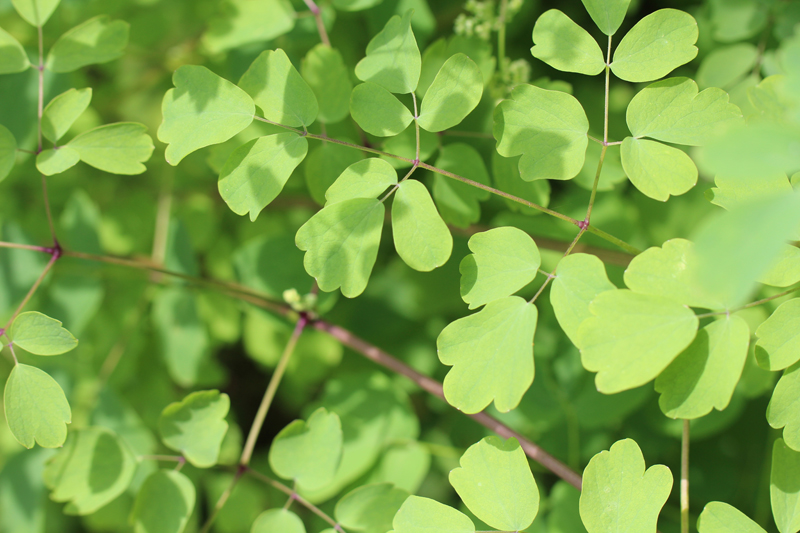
x=782 y=411
x=276 y=520
x=422 y=515
x=98 y=40
x=12 y=56
x=719 y=517
x=195 y=426
x=50 y=162
x=459 y=203
x=778 y=345
x=564 y=45
x=784 y=487
x=8 y=151
x=656 y=169
x=370 y=508
x=63 y=111
x=378 y=111
x=164 y=503
x=36 y=408
x=365 y=179
x=785 y=270
x=453 y=95
x=245 y=21
x=35 y=12
x=41 y=335
x=184 y=340
x=119 y=148
x=421 y=237
x=393 y=60
x=325 y=72
x=758 y=149
x=607 y=14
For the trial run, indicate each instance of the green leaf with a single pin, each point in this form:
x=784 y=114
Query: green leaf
x=393 y=60
x=13 y=57
x=164 y=503
x=725 y=66
x=491 y=353
x=195 y=426
x=579 y=278
x=758 y=149
x=404 y=144
x=459 y=203
x=378 y=111
x=22 y=492
x=673 y=111
x=183 y=339
x=785 y=270
x=658 y=44
x=355 y=5
x=607 y=14
x=784 y=487
x=370 y=508
x=423 y=515
x=565 y=46
x=8 y=152
x=341 y=244
x=656 y=169
x=98 y=40
x=619 y=495
x=477 y=49
x=324 y=164
x=495 y=483
x=35 y=12
x=631 y=338
x=365 y=179
x=454 y=93
x=276 y=520
x=719 y=517
x=256 y=172
x=782 y=409
x=203 y=109
x=41 y=335
x=279 y=90
x=732 y=191
x=421 y=237
x=244 y=21
x=36 y=408
x=503 y=261
x=63 y=111
x=94 y=468
x=308 y=453
x=778 y=345
x=548 y=128
x=325 y=72
x=119 y=148
x=704 y=376
x=56 y=161
x=505 y=173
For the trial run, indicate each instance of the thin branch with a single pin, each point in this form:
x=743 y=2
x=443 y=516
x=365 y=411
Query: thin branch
x=42 y=249
x=552 y=274
x=323 y=34
x=613 y=240
x=31 y=292
x=222 y=500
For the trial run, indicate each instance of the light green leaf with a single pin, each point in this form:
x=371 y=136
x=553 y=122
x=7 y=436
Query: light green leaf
x=491 y=353
x=370 y=508
x=423 y=515
x=378 y=111
x=656 y=169
x=98 y=40
x=63 y=111
x=8 y=151
x=203 y=109
x=725 y=66
x=459 y=203
x=119 y=148
x=548 y=128
x=195 y=426
x=244 y=21
x=308 y=453
x=393 y=60
x=94 y=468
x=436 y=54
x=505 y=174
x=279 y=90
x=565 y=46
x=453 y=95
x=355 y=5
x=366 y=179
x=421 y=237
x=255 y=173
x=324 y=164
x=503 y=261
x=732 y=191
x=607 y=14
x=673 y=111
x=41 y=335
x=785 y=270
x=659 y=43
x=495 y=483
x=35 y=12
x=12 y=56
x=782 y=410
x=758 y=149
x=784 y=487
x=341 y=244
x=403 y=464
x=278 y=520
x=36 y=408
x=704 y=376
x=325 y=72
x=719 y=517
x=579 y=278
x=631 y=338
x=778 y=345
x=404 y=144
x=183 y=339
x=164 y=503
x=56 y=161
x=619 y=495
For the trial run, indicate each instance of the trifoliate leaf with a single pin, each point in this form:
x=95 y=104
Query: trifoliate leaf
x=244 y=21
x=782 y=411
x=785 y=269
x=719 y=517
x=704 y=376
x=308 y=452
x=276 y=520
x=41 y=335
x=421 y=237
x=55 y=161
x=656 y=169
x=619 y=495
x=459 y=203
x=548 y=128
x=370 y=508
x=195 y=426
x=423 y=515
x=778 y=345
x=13 y=58
x=98 y=40
x=378 y=111
x=341 y=244
x=784 y=489
x=164 y=503
x=631 y=338
x=8 y=151
x=255 y=173
x=658 y=44
x=203 y=109
x=184 y=340
x=36 y=408
x=491 y=353
x=366 y=179
x=324 y=164
x=565 y=46
x=495 y=483
x=453 y=95
x=607 y=14
x=673 y=111
x=725 y=66
x=503 y=260
x=94 y=467
x=35 y=12
x=325 y=72
x=63 y=111
x=393 y=60
x=119 y=148
x=279 y=90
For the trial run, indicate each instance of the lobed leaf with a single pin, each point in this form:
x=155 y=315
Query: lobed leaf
x=368 y=178
x=56 y=161
x=378 y=111
x=325 y=72
x=63 y=111
x=454 y=93
x=164 y=503
x=35 y=12
x=98 y=40
x=565 y=46
x=119 y=148
x=607 y=14
x=36 y=409
x=778 y=345
x=719 y=517
x=8 y=151
x=784 y=487
x=370 y=508
x=782 y=410
x=244 y=21
x=13 y=57
x=393 y=60
x=41 y=335
x=422 y=515
x=275 y=520
x=195 y=426
x=459 y=203
x=656 y=169
x=421 y=237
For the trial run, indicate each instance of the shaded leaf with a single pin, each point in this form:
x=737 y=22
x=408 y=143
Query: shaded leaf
x=324 y=164
x=36 y=408
x=13 y=57
x=365 y=179
x=421 y=237
x=164 y=503
x=782 y=411
x=565 y=46
x=393 y=60
x=778 y=345
x=784 y=487
x=724 y=66
x=454 y=93
x=244 y=21
x=607 y=14
x=459 y=203
x=63 y=111
x=98 y=40
x=378 y=111
x=370 y=508
x=719 y=517
x=41 y=335
x=325 y=72
x=505 y=174
x=184 y=340
x=421 y=515
x=8 y=152
x=195 y=426
x=35 y=12
x=656 y=169
x=22 y=492
x=119 y=148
